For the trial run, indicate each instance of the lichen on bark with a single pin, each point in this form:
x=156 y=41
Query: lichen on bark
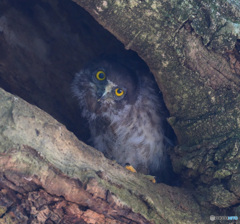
x=52 y=164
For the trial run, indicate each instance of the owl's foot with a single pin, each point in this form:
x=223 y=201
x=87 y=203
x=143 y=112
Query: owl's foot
x=151 y=178
x=131 y=168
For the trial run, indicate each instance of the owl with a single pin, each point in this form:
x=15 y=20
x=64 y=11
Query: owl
x=125 y=113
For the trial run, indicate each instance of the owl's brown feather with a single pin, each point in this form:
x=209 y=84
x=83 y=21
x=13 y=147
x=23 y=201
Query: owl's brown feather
x=128 y=129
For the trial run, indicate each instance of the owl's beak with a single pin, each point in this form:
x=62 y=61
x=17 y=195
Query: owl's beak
x=108 y=89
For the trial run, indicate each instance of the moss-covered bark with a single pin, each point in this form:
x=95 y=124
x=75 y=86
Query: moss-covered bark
x=192 y=47
x=42 y=165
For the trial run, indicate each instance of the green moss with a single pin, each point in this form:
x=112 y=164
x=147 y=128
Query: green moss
x=221 y=197
x=3 y=210
x=220 y=174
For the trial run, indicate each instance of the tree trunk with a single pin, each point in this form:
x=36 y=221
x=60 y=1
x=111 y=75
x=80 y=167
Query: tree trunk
x=192 y=48
x=47 y=175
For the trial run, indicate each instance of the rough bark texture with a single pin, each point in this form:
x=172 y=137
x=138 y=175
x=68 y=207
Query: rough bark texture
x=48 y=176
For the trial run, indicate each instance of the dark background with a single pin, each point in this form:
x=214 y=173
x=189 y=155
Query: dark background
x=42 y=45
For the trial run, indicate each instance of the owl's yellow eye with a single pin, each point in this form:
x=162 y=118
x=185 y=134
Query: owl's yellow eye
x=119 y=92
x=101 y=75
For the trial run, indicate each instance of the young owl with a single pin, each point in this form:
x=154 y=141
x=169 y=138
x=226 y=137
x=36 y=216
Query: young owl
x=125 y=112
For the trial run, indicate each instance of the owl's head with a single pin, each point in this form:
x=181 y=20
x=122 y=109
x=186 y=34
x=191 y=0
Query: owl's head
x=106 y=86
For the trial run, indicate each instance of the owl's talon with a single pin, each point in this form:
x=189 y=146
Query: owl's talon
x=130 y=168
x=151 y=178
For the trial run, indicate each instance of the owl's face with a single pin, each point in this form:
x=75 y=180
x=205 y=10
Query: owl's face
x=106 y=86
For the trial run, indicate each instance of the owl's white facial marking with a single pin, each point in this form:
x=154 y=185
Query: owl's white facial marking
x=108 y=89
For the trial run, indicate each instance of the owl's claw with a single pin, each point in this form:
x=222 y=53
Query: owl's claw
x=131 y=168
x=151 y=178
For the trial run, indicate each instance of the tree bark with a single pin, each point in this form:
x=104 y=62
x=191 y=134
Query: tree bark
x=48 y=176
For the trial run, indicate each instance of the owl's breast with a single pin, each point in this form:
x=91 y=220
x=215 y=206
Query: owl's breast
x=132 y=137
